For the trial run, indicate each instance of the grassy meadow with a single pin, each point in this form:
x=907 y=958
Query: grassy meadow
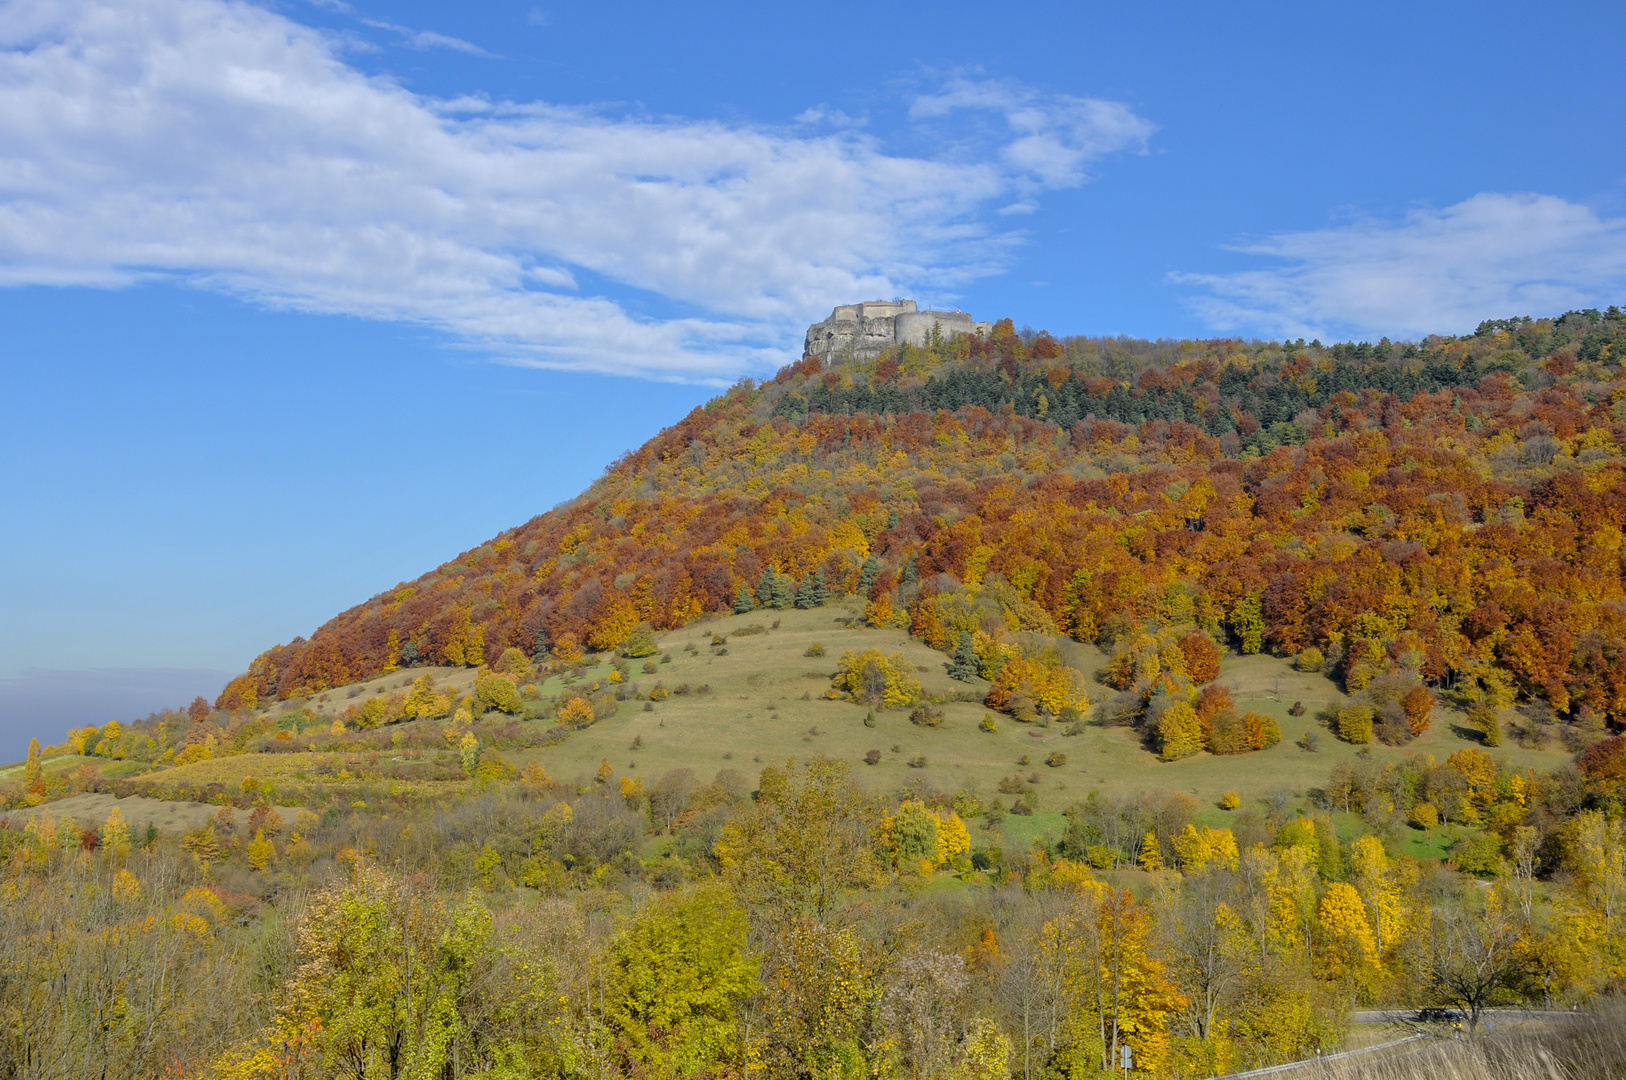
x=759 y=698
x=766 y=705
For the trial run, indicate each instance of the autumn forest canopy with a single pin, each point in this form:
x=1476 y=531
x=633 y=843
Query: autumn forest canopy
x=1453 y=506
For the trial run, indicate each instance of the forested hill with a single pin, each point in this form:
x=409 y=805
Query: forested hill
x=1457 y=504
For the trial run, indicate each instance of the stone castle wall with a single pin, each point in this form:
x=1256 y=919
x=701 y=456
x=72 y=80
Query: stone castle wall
x=865 y=331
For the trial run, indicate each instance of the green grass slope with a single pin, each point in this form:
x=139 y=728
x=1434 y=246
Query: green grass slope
x=761 y=700
x=767 y=705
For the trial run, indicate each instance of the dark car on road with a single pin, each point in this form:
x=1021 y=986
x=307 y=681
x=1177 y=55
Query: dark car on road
x=1437 y=1016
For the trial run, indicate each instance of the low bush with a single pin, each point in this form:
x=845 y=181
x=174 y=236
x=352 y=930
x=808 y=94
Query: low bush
x=927 y=716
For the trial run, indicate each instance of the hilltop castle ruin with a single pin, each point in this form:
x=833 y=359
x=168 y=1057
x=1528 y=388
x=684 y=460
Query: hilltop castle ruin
x=866 y=330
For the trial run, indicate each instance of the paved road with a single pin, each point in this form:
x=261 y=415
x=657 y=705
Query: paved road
x=1409 y=1016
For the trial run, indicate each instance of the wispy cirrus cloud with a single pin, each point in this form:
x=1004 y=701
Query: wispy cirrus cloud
x=1052 y=138
x=413 y=39
x=228 y=146
x=1433 y=271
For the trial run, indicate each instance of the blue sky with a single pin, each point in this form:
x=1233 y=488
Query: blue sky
x=300 y=300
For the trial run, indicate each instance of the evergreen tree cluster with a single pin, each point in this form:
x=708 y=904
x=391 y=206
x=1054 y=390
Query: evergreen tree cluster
x=781 y=591
x=1267 y=391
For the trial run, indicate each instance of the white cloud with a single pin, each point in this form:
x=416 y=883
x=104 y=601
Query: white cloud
x=1434 y=271
x=426 y=39
x=823 y=114
x=225 y=145
x=1053 y=137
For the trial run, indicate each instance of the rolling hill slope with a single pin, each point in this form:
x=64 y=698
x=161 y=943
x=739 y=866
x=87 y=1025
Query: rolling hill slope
x=1455 y=507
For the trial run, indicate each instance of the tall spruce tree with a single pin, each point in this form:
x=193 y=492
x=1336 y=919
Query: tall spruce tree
x=744 y=601
x=804 y=593
x=765 y=588
x=964 y=664
x=910 y=575
x=821 y=588
x=538 y=656
x=784 y=591
x=867 y=575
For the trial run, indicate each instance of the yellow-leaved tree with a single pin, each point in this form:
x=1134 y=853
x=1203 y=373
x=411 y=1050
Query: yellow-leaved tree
x=1028 y=684
x=953 y=838
x=615 y=625
x=567 y=650
x=1381 y=888
x=1179 y=732
x=1114 y=991
x=455 y=650
x=1198 y=846
x=261 y=851
x=1598 y=862
x=116 y=834
x=577 y=712
x=678 y=972
x=873 y=678
x=498 y=692
x=1348 y=949
x=423 y=700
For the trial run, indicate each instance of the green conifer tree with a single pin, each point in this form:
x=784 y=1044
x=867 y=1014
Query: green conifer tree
x=765 y=587
x=821 y=588
x=784 y=591
x=540 y=655
x=867 y=575
x=910 y=575
x=964 y=664
x=744 y=601
x=804 y=594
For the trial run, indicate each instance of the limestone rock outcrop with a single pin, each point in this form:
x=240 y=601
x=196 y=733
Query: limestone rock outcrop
x=864 y=331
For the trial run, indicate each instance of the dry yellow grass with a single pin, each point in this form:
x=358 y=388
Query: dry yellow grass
x=1590 y=1047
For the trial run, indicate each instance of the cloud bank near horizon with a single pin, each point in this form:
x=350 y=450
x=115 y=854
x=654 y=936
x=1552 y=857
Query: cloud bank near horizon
x=229 y=147
x=1441 y=271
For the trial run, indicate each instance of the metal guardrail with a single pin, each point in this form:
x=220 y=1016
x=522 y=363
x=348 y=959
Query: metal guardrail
x=1396 y=1016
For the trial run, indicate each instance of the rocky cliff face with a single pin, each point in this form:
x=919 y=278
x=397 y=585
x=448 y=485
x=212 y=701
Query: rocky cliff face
x=866 y=330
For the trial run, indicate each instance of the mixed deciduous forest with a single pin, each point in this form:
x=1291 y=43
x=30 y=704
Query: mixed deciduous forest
x=356 y=862
x=1454 y=507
